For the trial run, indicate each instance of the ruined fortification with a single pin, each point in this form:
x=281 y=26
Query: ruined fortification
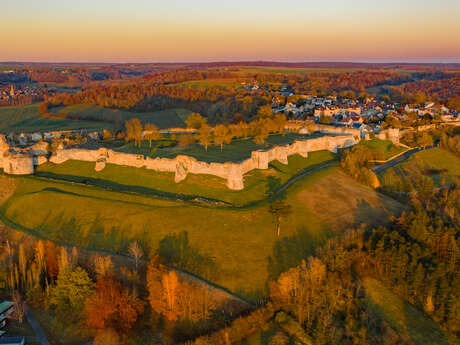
x=389 y=134
x=24 y=160
x=181 y=165
x=15 y=163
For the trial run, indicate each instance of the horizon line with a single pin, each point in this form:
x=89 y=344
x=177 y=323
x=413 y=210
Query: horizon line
x=455 y=61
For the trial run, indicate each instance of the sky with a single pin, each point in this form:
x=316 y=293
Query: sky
x=229 y=30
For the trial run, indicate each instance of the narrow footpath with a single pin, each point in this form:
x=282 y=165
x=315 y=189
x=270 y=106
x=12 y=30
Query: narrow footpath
x=379 y=168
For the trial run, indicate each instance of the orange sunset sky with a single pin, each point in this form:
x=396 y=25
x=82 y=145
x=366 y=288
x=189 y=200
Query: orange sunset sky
x=204 y=30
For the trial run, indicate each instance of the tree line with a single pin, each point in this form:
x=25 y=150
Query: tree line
x=266 y=123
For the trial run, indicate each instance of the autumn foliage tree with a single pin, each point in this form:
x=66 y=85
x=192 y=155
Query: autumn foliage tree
x=195 y=121
x=205 y=136
x=177 y=300
x=134 y=131
x=222 y=136
x=112 y=305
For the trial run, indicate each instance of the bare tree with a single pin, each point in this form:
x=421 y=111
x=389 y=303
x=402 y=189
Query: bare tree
x=136 y=251
x=151 y=133
x=102 y=265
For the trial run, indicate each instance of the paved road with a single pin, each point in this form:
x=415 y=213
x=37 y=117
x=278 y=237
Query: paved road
x=36 y=327
x=379 y=168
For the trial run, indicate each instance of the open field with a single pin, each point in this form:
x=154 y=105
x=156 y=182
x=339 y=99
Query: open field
x=241 y=240
x=236 y=151
x=440 y=165
x=383 y=148
x=206 y=186
x=162 y=119
x=28 y=119
x=213 y=83
x=410 y=323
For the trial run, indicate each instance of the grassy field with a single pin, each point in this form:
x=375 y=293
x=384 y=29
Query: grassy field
x=384 y=148
x=237 y=151
x=28 y=119
x=241 y=240
x=410 y=323
x=163 y=119
x=440 y=165
x=194 y=185
x=213 y=83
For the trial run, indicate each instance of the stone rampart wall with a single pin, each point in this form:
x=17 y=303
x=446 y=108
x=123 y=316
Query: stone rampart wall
x=301 y=126
x=14 y=163
x=183 y=165
x=392 y=134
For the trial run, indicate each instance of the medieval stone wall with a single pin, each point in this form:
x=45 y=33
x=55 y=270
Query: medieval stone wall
x=301 y=126
x=389 y=134
x=181 y=166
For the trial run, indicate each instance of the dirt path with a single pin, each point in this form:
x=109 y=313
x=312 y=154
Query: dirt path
x=379 y=168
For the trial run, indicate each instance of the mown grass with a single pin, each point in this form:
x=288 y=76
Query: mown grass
x=411 y=324
x=441 y=166
x=236 y=151
x=28 y=119
x=207 y=186
x=383 y=148
x=241 y=240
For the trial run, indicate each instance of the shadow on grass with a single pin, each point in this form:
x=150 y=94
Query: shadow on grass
x=289 y=251
x=277 y=190
x=117 y=187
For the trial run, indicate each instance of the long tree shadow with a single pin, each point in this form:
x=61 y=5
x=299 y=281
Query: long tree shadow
x=289 y=251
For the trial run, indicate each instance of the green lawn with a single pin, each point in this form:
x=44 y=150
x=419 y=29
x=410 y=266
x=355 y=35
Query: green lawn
x=241 y=240
x=384 y=148
x=237 y=151
x=441 y=166
x=410 y=323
